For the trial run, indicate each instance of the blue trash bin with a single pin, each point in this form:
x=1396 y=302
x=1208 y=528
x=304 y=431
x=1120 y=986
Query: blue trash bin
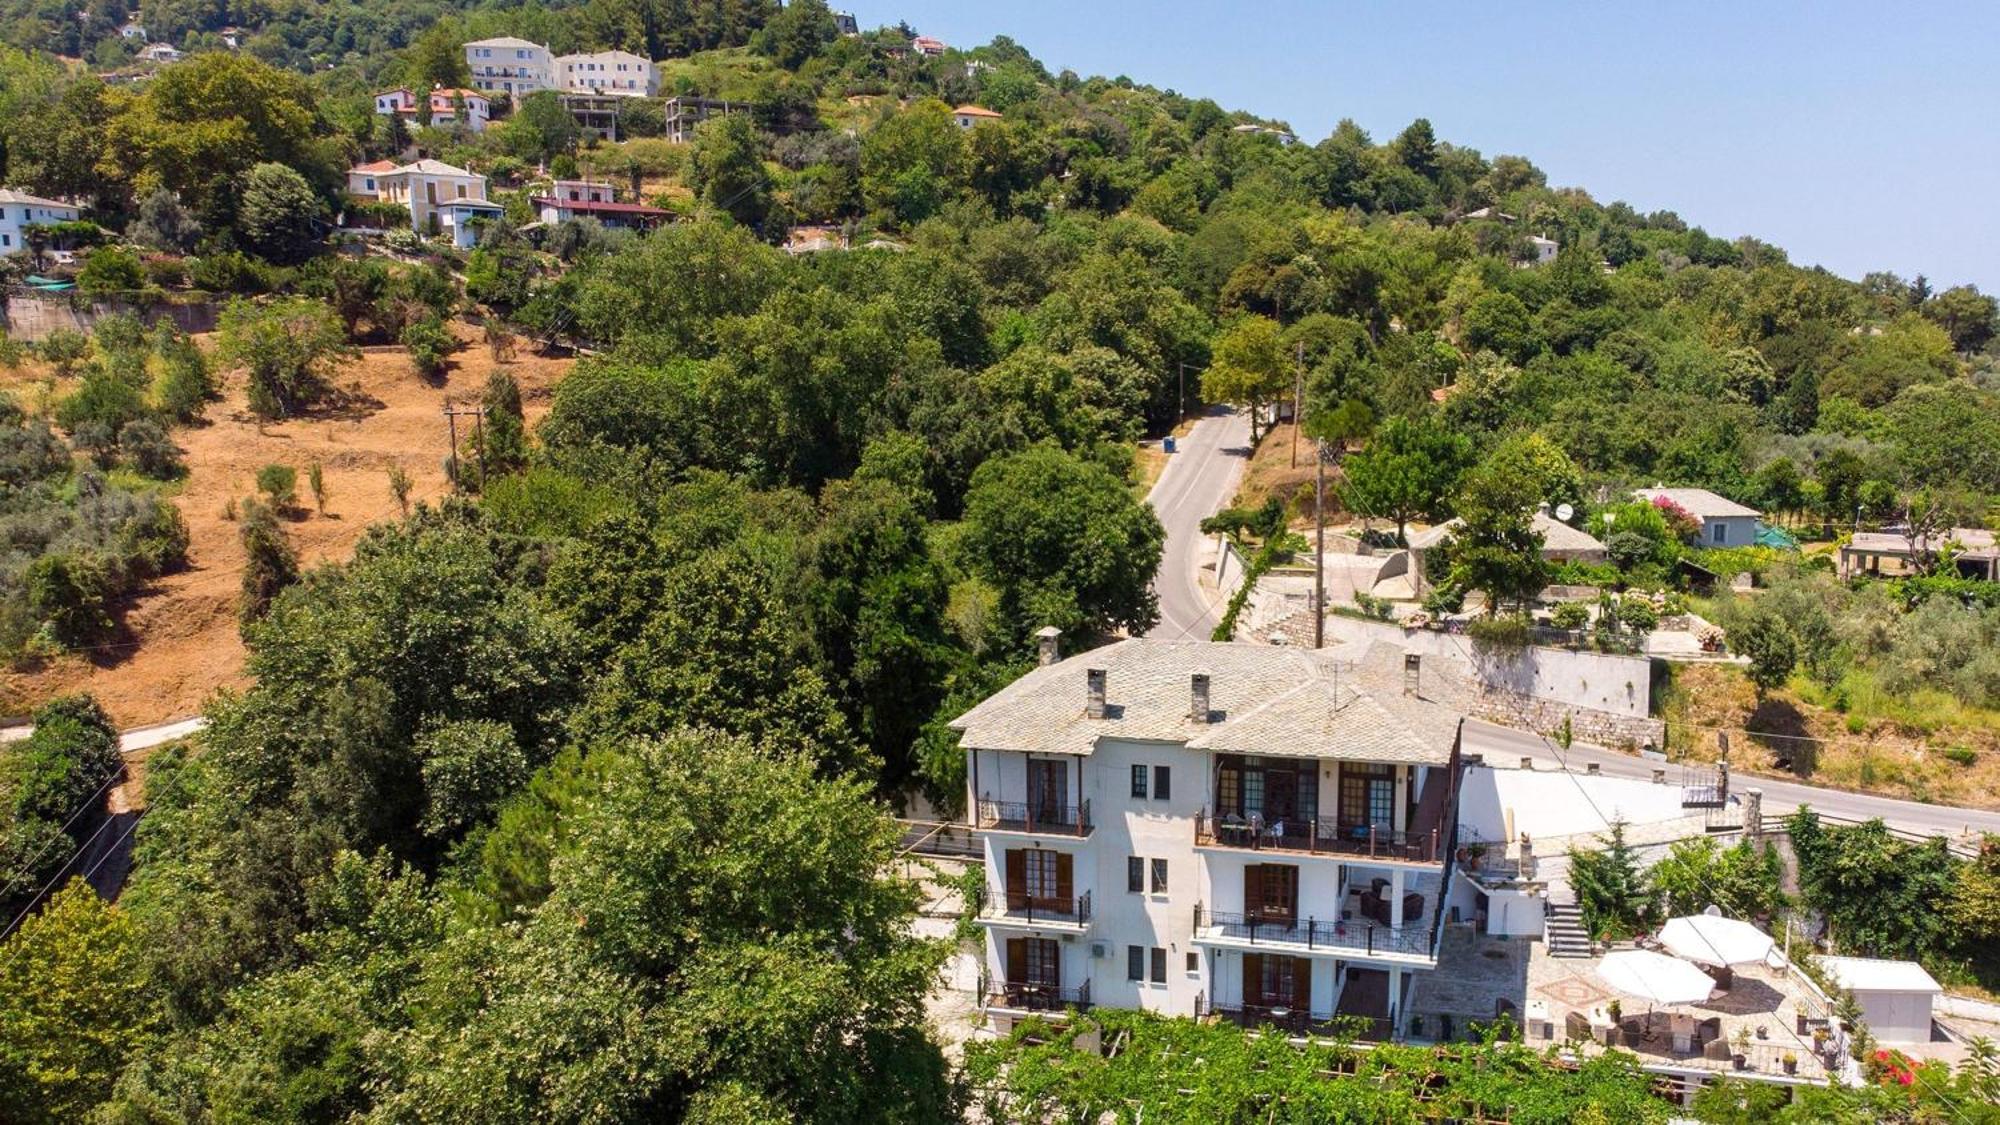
x=1169 y=443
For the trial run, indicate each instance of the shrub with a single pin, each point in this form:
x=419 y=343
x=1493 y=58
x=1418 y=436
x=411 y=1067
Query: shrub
x=111 y=269
x=280 y=484
x=399 y=487
x=269 y=563
x=63 y=349
x=29 y=452
x=430 y=344
x=232 y=272
x=185 y=384
x=1637 y=613
x=67 y=593
x=1962 y=755
x=1570 y=615
x=1508 y=630
x=316 y=480
x=107 y=399
x=165 y=272
x=145 y=442
x=289 y=349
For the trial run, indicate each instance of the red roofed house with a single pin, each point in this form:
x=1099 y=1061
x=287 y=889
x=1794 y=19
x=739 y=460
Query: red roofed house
x=577 y=199
x=925 y=45
x=968 y=116
x=442 y=108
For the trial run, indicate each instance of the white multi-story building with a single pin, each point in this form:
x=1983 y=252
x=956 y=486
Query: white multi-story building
x=441 y=108
x=608 y=72
x=510 y=66
x=1210 y=829
x=19 y=210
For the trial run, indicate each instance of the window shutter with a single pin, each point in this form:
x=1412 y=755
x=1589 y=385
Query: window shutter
x=1065 y=882
x=1302 y=983
x=1017 y=960
x=1253 y=979
x=1162 y=783
x=1253 y=889
x=1017 y=875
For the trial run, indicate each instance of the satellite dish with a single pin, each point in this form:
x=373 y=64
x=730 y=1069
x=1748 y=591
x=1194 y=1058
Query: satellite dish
x=1564 y=512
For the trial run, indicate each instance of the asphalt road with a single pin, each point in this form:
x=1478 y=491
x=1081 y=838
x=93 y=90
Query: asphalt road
x=1507 y=745
x=1199 y=479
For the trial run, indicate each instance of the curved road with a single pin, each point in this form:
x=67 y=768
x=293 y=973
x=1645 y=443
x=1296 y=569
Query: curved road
x=1199 y=479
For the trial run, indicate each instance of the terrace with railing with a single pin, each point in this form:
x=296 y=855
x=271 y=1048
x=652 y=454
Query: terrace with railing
x=1024 y=996
x=1319 y=836
x=1037 y=817
x=1363 y=937
x=1016 y=908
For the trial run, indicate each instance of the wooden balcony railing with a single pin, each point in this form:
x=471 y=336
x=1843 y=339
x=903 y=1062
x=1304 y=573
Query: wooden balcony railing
x=1318 y=836
x=1035 y=816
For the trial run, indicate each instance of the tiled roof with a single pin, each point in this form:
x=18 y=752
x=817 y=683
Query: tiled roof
x=1556 y=535
x=1262 y=700
x=974 y=111
x=502 y=41
x=1697 y=501
x=587 y=206
x=375 y=166
x=9 y=195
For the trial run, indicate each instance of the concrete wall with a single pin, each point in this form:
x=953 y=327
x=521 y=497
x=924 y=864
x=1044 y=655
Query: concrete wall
x=1897 y=1017
x=1609 y=682
x=30 y=318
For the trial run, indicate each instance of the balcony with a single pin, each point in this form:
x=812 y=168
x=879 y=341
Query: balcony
x=1013 y=996
x=1035 y=818
x=1037 y=912
x=1296 y=1021
x=1320 y=836
x=1359 y=937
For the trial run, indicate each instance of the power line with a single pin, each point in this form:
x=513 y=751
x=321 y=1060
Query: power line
x=38 y=896
x=87 y=803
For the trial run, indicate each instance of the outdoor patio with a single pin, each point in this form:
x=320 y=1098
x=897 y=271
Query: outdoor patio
x=1559 y=999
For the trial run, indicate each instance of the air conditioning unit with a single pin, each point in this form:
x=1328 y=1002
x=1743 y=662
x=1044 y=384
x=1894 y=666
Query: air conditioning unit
x=1099 y=950
x=1068 y=938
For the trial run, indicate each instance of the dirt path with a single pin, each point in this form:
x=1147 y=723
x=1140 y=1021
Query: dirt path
x=179 y=640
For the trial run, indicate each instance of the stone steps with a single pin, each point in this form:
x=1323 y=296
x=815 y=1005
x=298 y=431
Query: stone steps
x=1563 y=931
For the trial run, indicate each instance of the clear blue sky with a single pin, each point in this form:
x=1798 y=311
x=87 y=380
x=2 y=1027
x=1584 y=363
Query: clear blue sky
x=1855 y=136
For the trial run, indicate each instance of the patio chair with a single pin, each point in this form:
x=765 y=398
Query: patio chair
x=1716 y=1050
x=1413 y=906
x=1576 y=1026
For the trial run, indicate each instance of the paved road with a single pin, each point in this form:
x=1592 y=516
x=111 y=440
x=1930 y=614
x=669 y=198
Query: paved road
x=138 y=738
x=1199 y=479
x=1506 y=745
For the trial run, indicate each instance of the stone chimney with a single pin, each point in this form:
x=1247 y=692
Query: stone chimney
x=1659 y=777
x=1753 y=813
x=1048 y=646
x=1198 y=697
x=1527 y=763
x=1094 y=703
x=1527 y=857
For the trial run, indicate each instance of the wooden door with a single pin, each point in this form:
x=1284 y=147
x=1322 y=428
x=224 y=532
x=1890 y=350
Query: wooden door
x=1048 y=791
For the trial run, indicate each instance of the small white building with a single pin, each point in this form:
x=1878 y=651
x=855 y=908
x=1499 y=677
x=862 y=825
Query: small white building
x=969 y=116
x=133 y=32
x=1724 y=522
x=510 y=66
x=928 y=46
x=161 y=53
x=398 y=100
x=608 y=72
x=19 y=210
x=1544 y=250
x=1895 y=996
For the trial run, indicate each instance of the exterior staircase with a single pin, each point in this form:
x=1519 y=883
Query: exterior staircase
x=1563 y=931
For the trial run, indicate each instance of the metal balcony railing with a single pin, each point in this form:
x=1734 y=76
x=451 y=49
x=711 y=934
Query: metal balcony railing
x=1318 y=836
x=1029 y=997
x=1415 y=938
x=1030 y=909
x=1042 y=817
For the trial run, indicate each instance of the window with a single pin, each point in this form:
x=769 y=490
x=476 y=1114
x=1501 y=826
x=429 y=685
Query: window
x=1721 y=532
x=1135 y=962
x=1135 y=874
x=1159 y=966
x=1139 y=782
x=1159 y=876
x=1162 y=782
x=1193 y=961
x=1040 y=874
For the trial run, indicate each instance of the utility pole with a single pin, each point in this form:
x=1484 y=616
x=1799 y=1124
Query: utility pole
x=451 y=416
x=1298 y=399
x=1319 y=552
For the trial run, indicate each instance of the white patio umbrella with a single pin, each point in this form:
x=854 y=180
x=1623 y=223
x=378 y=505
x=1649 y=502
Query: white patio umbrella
x=1655 y=977
x=1712 y=939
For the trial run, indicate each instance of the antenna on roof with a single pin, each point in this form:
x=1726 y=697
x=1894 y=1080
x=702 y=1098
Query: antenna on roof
x=1564 y=512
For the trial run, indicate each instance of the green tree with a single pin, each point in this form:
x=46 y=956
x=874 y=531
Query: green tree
x=505 y=447
x=1744 y=880
x=1614 y=891
x=1065 y=543
x=278 y=214
x=290 y=349
x=430 y=344
x=111 y=269
x=1969 y=317
x=910 y=162
x=1410 y=470
x=540 y=129
x=727 y=172
x=74 y=1007
x=1248 y=366
x=1766 y=640
x=437 y=58
x=270 y=564
x=797 y=33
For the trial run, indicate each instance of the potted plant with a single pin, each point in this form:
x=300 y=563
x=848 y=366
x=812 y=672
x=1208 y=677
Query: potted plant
x=1741 y=1059
x=1791 y=1062
x=1615 y=1010
x=1473 y=855
x=1763 y=1031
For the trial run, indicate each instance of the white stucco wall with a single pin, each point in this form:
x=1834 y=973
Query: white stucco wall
x=1621 y=685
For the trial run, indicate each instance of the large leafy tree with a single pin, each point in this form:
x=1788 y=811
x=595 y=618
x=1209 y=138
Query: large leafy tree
x=1064 y=541
x=1410 y=470
x=912 y=160
x=278 y=214
x=727 y=170
x=1249 y=366
x=73 y=1007
x=199 y=127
